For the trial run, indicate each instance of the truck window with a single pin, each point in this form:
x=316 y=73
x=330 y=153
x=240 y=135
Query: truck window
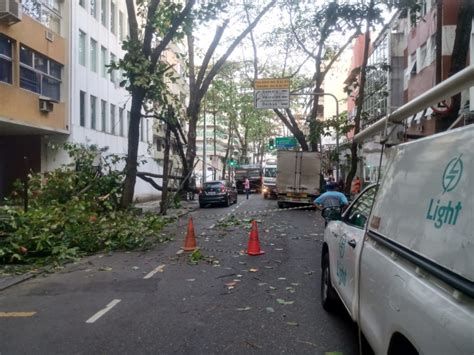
x=360 y=210
x=270 y=172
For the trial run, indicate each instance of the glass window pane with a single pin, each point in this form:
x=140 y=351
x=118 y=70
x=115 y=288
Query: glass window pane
x=6 y=46
x=50 y=88
x=103 y=113
x=82 y=108
x=41 y=63
x=82 y=48
x=5 y=70
x=121 y=121
x=103 y=61
x=93 y=55
x=93 y=6
x=112 y=119
x=112 y=73
x=112 y=17
x=26 y=56
x=120 y=24
x=103 y=12
x=29 y=80
x=55 y=69
x=93 y=104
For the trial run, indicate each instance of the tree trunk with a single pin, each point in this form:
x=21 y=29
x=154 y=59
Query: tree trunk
x=359 y=101
x=227 y=150
x=133 y=137
x=459 y=57
x=166 y=161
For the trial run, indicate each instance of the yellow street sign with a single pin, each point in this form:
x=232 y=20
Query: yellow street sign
x=265 y=84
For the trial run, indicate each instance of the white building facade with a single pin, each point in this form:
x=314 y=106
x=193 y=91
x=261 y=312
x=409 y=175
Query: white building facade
x=99 y=109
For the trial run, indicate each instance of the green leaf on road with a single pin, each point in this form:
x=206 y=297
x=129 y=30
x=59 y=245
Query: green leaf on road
x=283 y=302
x=270 y=310
x=244 y=309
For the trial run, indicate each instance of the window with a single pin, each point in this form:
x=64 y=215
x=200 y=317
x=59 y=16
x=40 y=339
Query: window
x=121 y=110
x=103 y=61
x=113 y=58
x=112 y=17
x=82 y=48
x=82 y=108
x=39 y=73
x=6 y=59
x=93 y=7
x=147 y=128
x=46 y=11
x=93 y=55
x=141 y=129
x=82 y=3
x=103 y=115
x=103 y=12
x=120 y=24
x=423 y=59
x=360 y=210
x=112 y=119
x=93 y=107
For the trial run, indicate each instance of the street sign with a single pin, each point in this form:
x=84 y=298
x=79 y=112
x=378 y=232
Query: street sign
x=272 y=93
x=285 y=142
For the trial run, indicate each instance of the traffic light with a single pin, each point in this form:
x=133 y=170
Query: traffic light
x=271 y=144
x=232 y=163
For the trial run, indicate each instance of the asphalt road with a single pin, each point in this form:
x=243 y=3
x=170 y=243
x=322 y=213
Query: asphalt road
x=158 y=302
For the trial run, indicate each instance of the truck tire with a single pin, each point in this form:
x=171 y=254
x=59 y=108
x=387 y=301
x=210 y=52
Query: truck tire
x=281 y=204
x=329 y=296
x=265 y=196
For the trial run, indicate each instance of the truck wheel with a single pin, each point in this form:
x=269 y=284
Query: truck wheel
x=265 y=196
x=281 y=205
x=328 y=294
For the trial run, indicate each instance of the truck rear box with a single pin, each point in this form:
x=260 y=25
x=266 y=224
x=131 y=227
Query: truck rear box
x=298 y=176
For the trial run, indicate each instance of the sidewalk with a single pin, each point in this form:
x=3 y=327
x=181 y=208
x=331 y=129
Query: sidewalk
x=150 y=206
x=154 y=207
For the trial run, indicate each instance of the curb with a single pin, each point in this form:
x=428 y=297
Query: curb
x=9 y=281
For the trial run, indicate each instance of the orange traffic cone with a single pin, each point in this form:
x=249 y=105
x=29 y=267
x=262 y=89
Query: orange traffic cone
x=254 y=244
x=190 y=242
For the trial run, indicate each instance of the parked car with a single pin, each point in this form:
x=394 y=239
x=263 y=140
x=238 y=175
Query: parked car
x=217 y=192
x=400 y=257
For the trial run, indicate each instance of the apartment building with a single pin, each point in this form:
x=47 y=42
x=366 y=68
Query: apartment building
x=55 y=86
x=34 y=85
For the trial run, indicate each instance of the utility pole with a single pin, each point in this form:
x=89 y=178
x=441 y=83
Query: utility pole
x=214 y=168
x=204 y=167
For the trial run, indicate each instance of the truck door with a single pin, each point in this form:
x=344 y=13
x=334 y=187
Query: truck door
x=349 y=235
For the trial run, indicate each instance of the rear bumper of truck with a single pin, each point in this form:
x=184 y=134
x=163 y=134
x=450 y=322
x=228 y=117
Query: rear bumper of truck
x=296 y=198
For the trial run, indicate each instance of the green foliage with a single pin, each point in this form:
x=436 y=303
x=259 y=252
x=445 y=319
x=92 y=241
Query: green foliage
x=73 y=211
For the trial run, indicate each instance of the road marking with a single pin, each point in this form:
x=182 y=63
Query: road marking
x=16 y=314
x=154 y=271
x=103 y=311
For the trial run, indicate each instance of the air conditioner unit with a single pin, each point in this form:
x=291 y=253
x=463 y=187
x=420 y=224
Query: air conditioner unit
x=10 y=11
x=45 y=105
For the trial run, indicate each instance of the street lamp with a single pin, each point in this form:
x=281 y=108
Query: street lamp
x=337 y=116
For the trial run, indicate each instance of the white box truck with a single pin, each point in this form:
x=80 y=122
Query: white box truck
x=298 y=177
x=401 y=257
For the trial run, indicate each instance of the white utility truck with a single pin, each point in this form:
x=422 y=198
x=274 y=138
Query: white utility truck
x=298 y=177
x=401 y=257
x=269 y=179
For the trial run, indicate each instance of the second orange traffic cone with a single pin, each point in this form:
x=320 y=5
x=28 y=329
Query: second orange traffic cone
x=190 y=242
x=254 y=244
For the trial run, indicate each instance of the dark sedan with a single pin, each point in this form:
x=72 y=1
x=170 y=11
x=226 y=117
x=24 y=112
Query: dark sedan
x=218 y=192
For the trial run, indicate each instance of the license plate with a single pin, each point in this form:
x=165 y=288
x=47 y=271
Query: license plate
x=289 y=194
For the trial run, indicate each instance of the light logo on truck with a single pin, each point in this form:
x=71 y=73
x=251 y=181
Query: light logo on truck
x=442 y=211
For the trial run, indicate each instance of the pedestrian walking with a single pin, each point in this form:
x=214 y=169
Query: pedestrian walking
x=247 y=187
x=340 y=185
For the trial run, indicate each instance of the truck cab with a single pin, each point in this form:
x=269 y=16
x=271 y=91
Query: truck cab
x=269 y=179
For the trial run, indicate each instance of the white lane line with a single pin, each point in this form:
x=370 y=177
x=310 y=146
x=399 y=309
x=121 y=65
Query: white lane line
x=103 y=311
x=154 y=271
